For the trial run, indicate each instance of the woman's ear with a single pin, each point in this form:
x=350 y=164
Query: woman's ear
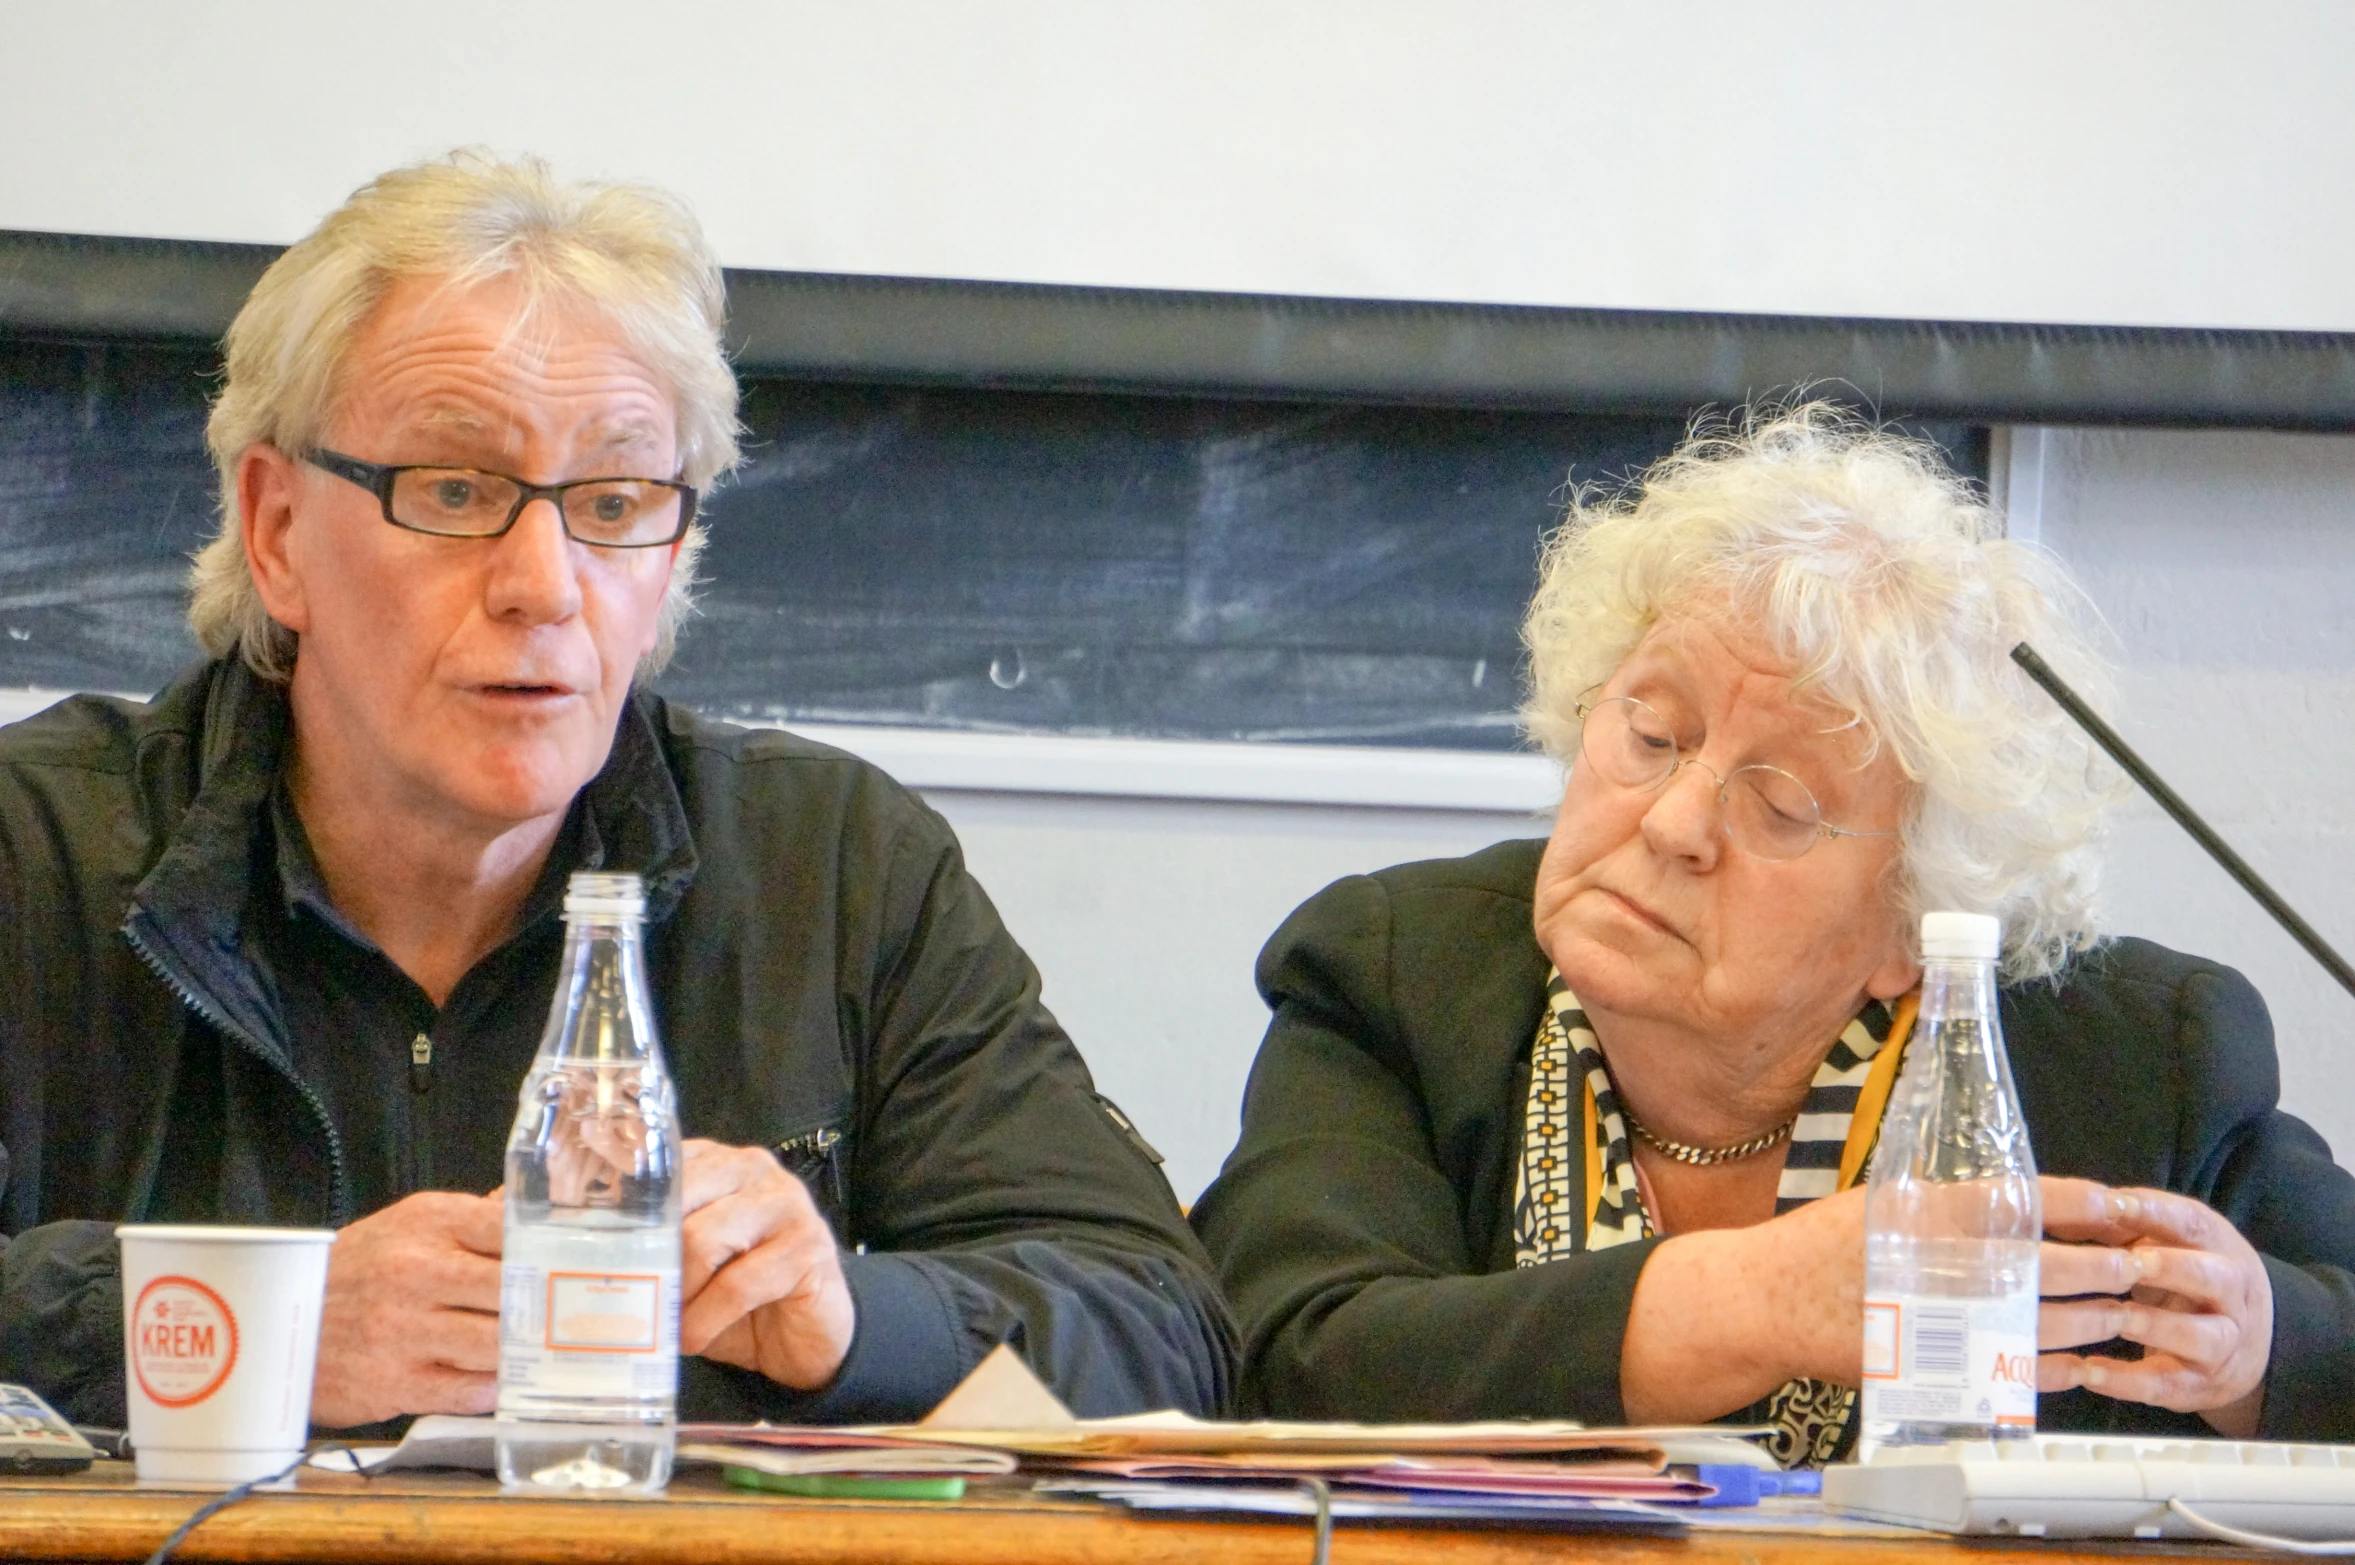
x=268 y=485
x=1899 y=970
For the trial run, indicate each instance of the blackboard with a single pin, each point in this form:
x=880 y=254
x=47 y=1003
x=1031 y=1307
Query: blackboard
x=1079 y=563
x=105 y=490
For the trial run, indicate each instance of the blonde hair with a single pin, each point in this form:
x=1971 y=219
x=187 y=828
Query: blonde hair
x=632 y=254
x=1884 y=580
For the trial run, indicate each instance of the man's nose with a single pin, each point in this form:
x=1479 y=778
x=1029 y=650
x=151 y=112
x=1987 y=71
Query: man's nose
x=534 y=576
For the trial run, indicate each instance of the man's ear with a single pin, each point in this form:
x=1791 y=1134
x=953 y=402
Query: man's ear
x=670 y=564
x=268 y=484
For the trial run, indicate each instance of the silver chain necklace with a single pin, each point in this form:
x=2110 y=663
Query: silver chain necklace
x=1703 y=1157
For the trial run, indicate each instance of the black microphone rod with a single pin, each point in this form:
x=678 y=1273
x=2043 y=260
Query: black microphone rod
x=2185 y=816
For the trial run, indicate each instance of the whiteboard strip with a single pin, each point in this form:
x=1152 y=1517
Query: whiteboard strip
x=1196 y=769
x=1360 y=775
x=2018 y=479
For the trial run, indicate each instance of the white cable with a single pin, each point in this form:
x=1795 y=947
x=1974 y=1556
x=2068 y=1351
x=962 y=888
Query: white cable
x=2259 y=1540
x=1321 y=1493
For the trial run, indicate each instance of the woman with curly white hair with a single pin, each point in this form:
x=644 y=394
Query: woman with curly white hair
x=1576 y=1128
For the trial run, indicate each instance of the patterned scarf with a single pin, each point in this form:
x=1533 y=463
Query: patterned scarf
x=1837 y=1126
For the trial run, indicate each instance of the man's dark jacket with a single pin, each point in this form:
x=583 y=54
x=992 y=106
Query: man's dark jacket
x=1363 y=1224
x=827 y=977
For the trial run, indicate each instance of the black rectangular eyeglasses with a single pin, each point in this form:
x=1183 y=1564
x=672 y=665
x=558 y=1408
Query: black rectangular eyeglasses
x=464 y=502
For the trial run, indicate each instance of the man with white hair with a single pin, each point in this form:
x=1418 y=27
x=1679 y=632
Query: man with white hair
x=277 y=945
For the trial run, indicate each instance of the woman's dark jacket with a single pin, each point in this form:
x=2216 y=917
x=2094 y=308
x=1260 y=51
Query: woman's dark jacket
x=1362 y=1226
x=827 y=977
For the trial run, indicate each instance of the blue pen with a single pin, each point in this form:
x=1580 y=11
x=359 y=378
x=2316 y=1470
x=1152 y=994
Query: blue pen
x=1748 y=1485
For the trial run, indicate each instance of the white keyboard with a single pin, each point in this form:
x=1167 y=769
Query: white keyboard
x=2079 y=1486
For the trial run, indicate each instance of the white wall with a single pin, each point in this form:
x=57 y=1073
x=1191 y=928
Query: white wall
x=1145 y=916
x=2226 y=564
x=2167 y=163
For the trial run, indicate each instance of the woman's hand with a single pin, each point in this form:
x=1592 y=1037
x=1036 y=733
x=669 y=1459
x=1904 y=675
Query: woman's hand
x=2167 y=1272
x=1723 y=1316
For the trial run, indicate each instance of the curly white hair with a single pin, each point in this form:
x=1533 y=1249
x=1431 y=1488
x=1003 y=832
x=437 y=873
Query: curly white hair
x=1884 y=580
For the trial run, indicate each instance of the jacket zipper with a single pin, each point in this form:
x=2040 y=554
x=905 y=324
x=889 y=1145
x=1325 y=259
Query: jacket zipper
x=805 y=1154
x=211 y=1015
x=420 y=1117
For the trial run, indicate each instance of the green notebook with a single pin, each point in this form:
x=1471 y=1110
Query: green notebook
x=843 y=1486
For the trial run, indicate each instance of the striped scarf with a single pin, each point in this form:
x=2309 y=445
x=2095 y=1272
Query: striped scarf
x=1837 y=1126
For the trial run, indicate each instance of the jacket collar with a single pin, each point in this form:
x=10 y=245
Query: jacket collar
x=635 y=819
x=186 y=915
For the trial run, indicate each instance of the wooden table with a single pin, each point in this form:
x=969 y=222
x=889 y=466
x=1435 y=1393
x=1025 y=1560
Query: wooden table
x=445 y=1519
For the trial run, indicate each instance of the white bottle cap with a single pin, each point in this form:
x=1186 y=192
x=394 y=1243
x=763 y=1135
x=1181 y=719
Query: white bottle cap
x=1961 y=937
x=593 y=897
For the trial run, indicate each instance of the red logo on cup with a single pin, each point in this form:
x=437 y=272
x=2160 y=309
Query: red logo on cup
x=183 y=1341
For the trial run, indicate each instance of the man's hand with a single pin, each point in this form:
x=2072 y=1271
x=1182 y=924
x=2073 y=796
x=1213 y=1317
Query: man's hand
x=411 y=1322
x=759 y=1275
x=2183 y=1283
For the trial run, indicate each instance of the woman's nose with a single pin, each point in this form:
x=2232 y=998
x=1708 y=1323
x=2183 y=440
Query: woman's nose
x=1686 y=820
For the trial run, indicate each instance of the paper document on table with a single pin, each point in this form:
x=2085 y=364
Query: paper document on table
x=1311 y=1463
x=1180 y=1434
x=1369 y=1505
x=1002 y=1405
x=867 y=1460
x=1000 y=1393
x=1594 y=1480
x=436 y=1440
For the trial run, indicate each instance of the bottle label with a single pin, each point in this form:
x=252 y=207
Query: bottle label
x=588 y=1334
x=1939 y=1359
x=604 y=1312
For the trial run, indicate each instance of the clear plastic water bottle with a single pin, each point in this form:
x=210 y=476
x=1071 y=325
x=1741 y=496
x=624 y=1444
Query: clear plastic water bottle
x=1953 y=1218
x=589 y=1298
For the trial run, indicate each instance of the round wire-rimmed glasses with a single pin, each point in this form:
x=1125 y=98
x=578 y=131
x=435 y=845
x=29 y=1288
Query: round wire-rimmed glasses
x=465 y=502
x=1768 y=813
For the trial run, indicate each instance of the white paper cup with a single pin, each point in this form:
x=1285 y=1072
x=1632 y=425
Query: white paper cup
x=220 y=1338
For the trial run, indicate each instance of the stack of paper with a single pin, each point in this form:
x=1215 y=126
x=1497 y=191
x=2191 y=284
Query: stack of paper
x=802 y=1453
x=1457 y=1474
x=1347 y=1503
x=1170 y=1461
x=1002 y=1419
